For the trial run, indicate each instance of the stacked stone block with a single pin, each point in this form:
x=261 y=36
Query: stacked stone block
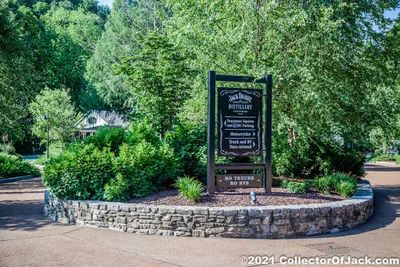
x=238 y=222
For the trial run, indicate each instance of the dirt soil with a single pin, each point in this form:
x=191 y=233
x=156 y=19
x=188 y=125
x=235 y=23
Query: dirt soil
x=237 y=197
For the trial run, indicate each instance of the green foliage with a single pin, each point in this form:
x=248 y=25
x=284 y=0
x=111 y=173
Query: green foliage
x=107 y=137
x=14 y=165
x=297 y=187
x=54 y=115
x=309 y=184
x=55 y=150
x=397 y=159
x=8 y=148
x=189 y=188
x=313 y=158
x=346 y=189
x=158 y=78
x=79 y=174
x=143 y=169
x=118 y=189
x=342 y=183
x=284 y=183
x=189 y=143
x=142 y=130
x=323 y=185
x=385 y=157
x=126 y=27
x=42 y=44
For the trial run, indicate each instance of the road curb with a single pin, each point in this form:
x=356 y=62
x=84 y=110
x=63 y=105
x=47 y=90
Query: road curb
x=15 y=179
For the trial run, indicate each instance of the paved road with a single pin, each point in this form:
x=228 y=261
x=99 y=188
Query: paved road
x=27 y=239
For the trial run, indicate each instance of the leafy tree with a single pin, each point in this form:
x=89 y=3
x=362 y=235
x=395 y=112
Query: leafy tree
x=128 y=24
x=158 y=76
x=43 y=44
x=329 y=64
x=54 y=114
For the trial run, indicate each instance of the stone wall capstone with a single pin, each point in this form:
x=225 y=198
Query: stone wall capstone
x=239 y=222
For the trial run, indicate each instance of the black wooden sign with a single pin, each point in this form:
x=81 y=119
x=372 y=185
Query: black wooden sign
x=239 y=125
x=239 y=122
x=239 y=180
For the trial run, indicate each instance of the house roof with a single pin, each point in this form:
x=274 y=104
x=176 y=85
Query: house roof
x=102 y=118
x=112 y=118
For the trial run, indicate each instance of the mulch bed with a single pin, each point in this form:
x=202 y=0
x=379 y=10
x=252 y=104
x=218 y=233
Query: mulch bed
x=237 y=197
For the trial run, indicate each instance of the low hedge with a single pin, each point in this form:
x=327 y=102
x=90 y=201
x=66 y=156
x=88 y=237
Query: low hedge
x=15 y=165
x=88 y=172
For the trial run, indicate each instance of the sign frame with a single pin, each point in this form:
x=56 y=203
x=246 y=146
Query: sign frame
x=266 y=165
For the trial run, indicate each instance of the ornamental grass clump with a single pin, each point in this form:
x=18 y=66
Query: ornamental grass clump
x=342 y=183
x=323 y=185
x=189 y=188
x=297 y=187
x=346 y=188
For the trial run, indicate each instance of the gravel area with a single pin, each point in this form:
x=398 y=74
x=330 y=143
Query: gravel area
x=237 y=197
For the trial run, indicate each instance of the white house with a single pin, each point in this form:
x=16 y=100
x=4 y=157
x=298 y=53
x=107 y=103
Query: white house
x=90 y=123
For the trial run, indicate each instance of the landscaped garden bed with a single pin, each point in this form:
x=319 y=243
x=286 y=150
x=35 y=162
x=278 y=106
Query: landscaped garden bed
x=237 y=197
x=197 y=221
x=136 y=182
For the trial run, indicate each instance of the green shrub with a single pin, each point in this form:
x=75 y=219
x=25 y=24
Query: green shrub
x=142 y=170
x=142 y=131
x=8 y=148
x=346 y=188
x=80 y=173
x=190 y=146
x=55 y=150
x=297 y=187
x=342 y=183
x=15 y=165
x=117 y=189
x=107 y=137
x=309 y=184
x=337 y=178
x=323 y=185
x=313 y=158
x=284 y=183
x=397 y=159
x=383 y=157
x=189 y=188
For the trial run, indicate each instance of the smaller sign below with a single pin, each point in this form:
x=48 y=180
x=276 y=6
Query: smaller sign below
x=5 y=137
x=239 y=180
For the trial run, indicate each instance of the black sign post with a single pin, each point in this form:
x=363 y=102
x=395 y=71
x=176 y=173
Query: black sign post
x=240 y=120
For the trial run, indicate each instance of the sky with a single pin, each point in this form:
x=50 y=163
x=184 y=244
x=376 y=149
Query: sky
x=106 y=2
x=389 y=14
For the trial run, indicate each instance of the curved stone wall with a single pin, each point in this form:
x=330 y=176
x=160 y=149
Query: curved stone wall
x=241 y=222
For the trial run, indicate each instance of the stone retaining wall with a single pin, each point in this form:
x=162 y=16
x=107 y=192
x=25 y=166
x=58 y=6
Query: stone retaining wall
x=242 y=222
